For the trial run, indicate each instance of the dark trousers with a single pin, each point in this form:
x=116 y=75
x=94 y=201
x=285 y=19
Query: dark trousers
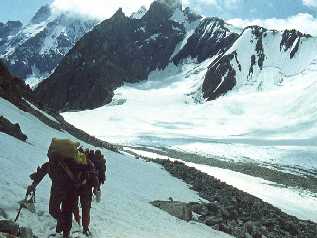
x=85 y=196
x=61 y=206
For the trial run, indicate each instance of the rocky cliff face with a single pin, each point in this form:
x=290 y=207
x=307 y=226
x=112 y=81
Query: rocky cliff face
x=212 y=37
x=36 y=49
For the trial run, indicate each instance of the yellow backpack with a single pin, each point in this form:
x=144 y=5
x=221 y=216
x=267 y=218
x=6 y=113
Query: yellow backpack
x=67 y=149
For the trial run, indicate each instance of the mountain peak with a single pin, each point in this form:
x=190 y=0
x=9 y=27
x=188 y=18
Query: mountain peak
x=119 y=14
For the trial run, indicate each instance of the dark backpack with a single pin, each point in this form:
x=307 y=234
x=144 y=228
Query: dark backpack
x=100 y=165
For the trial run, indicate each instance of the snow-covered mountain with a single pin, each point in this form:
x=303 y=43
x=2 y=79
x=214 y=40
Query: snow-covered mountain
x=32 y=52
x=166 y=33
x=259 y=59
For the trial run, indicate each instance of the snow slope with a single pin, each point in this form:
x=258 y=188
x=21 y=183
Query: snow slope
x=131 y=184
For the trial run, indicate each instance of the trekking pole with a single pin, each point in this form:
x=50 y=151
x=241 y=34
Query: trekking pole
x=26 y=203
x=21 y=207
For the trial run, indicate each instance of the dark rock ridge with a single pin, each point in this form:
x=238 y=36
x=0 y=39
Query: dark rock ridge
x=38 y=52
x=11 y=129
x=288 y=39
x=211 y=37
x=12 y=88
x=235 y=212
x=213 y=85
x=118 y=50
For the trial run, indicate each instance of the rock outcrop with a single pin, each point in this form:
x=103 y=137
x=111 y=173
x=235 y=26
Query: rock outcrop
x=12 y=88
x=11 y=129
x=180 y=210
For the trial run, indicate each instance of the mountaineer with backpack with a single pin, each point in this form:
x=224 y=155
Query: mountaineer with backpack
x=68 y=169
x=98 y=162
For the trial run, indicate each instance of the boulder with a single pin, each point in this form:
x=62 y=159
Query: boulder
x=11 y=129
x=180 y=210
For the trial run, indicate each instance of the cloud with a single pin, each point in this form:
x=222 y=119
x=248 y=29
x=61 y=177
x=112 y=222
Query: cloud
x=310 y=3
x=100 y=9
x=303 y=22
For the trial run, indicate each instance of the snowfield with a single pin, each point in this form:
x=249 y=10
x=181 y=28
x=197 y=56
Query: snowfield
x=131 y=184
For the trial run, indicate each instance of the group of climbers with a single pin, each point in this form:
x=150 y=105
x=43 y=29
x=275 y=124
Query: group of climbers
x=76 y=175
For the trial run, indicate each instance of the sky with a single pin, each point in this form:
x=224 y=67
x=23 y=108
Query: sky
x=277 y=14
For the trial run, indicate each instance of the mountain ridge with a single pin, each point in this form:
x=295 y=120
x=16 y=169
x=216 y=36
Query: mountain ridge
x=165 y=28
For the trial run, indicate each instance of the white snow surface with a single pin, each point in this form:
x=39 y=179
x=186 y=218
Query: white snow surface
x=131 y=184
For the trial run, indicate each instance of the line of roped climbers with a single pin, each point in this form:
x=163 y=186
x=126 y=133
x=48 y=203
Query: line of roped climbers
x=76 y=175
